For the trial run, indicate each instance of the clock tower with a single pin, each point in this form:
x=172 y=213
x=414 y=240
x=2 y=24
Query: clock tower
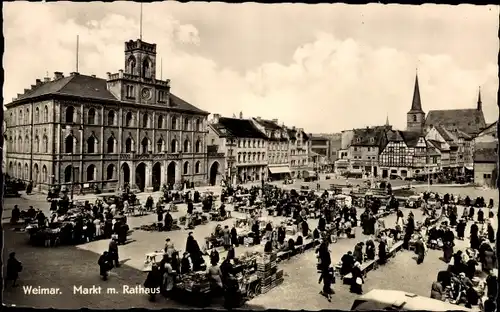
x=138 y=83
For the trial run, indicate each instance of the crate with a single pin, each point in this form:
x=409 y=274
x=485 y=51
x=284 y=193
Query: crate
x=268 y=280
x=264 y=290
x=267 y=266
x=268 y=273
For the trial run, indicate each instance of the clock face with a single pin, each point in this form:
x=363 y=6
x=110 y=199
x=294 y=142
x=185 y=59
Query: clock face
x=146 y=93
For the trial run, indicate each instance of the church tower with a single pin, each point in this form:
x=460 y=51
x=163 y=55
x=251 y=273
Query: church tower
x=140 y=59
x=415 y=118
x=479 y=102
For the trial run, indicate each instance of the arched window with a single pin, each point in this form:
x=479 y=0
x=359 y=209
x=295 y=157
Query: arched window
x=239 y=157
x=414 y=117
x=70 y=114
x=111 y=145
x=145 y=120
x=45 y=114
x=19 y=172
x=68 y=144
x=128 y=119
x=173 y=124
x=128 y=145
x=91 y=117
x=91 y=145
x=21 y=121
x=37 y=144
x=26 y=172
x=37 y=115
x=160 y=122
x=68 y=174
x=110 y=172
x=186 y=167
x=198 y=147
x=145 y=145
x=186 y=146
x=186 y=124
x=45 y=144
x=146 y=70
x=91 y=173
x=131 y=65
x=198 y=125
x=21 y=146
x=36 y=174
x=173 y=146
x=27 y=145
x=197 y=167
x=44 y=174
x=159 y=146
x=111 y=118
x=14 y=147
x=27 y=115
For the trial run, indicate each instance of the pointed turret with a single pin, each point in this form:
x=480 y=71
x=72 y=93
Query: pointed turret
x=416 y=105
x=479 y=102
x=387 y=120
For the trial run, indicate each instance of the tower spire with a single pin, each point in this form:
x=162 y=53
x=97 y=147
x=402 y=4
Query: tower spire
x=416 y=105
x=140 y=25
x=479 y=102
x=387 y=120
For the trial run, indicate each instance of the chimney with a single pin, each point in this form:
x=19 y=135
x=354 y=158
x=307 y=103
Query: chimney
x=216 y=118
x=73 y=73
x=275 y=121
x=38 y=82
x=120 y=73
x=58 y=75
x=109 y=75
x=93 y=76
x=46 y=79
x=33 y=87
x=241 y=115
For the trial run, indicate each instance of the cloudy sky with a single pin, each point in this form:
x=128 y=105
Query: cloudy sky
x=321 y=67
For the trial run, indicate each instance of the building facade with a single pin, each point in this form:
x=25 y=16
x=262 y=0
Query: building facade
x=486 y=156
x=299 y=143
x=244 y=146
x=319 y=152
x=278 y=149
x=92 y=132
x=364 y=150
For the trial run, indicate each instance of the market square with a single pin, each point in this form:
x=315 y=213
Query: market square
x=138 y=191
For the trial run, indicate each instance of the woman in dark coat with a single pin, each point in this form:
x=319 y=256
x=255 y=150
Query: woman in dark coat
x=305 y=228
x=105 y=265
x=231 y=253
x=474 y=236
x=234 y=237
x=153 y=281
x=453 y=219
x=347 y=261
x=462 y=224
x=370 y=250
x=491 y=233
x=214 y=257
x=194 y=252
x=321 y=224
x=492 y=285
x=480 y=216
x=358 y=252
x=447 y=251
x=382 y=252
x=281 y=235
x=489 y=260
x=357 y=279
x=13 y=269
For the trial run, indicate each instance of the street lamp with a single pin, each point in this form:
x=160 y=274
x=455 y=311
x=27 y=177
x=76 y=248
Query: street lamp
x=69 y=128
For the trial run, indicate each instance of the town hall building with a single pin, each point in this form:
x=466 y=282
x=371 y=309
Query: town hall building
x=106 y=133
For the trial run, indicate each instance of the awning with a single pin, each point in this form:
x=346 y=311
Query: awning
x=278 y=170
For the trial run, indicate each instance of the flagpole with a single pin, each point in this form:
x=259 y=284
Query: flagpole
x=77 y=50
x=140 y=35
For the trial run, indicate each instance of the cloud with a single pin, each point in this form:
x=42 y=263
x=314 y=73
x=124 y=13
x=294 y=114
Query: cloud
x=326 y=83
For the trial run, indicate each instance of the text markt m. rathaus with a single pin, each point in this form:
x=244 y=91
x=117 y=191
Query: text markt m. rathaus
x=126 y=289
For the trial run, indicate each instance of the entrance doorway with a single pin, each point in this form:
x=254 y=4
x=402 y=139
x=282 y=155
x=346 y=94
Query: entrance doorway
x=140 y=176
x=213 y=173
x=156 y=177
x=125 y=174
x=385 y=173
x=171 y=173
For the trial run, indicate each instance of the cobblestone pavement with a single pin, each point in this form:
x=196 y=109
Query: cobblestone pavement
x=64 y=267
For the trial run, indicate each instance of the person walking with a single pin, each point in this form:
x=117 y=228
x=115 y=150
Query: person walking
x=153 y=282
x=113 y=252
x=14 y=267
x=328 y=278
x=105 y=265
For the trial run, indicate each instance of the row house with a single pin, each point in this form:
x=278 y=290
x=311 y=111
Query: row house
x=319 y=152
x=299 y=151
x=486 y=156
x=244 y=146
x=364 y=150
x=277 y=147
x=455 y=145
x=404 y=155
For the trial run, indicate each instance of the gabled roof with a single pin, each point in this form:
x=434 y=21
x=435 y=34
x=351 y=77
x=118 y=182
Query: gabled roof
x=416 y=104
x=268 y=124
x=394 y=136
x=438 y=145
x=292 y=134
x=448 y=136
x=470 y=121
x=411 y=138
x=89 y=87
x=491 y=128
x=369 y=136
x=235 y=127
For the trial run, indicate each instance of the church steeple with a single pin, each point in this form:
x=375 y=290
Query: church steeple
x=415 y=118
x=387 y=120
x=479 y=102
x=416 y=105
